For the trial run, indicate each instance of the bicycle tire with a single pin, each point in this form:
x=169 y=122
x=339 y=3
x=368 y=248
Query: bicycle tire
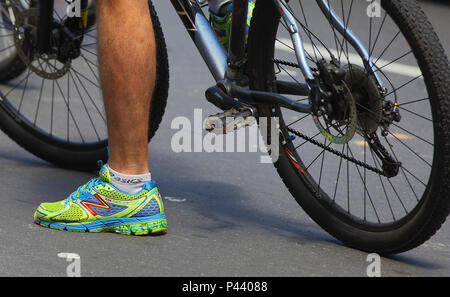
x=434 y=206
x=12 y=69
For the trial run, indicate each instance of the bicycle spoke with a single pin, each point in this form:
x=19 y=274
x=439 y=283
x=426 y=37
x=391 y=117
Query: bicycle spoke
x=396 y=125
x=403 y=171
x=318 y=156
x=84 y=105
x=410 y=149
x=69 y=111
x=382 y=185
x=306 y=23
x=338 y=175
x=15 y=86
x=306 y=141
x=23 y=91
x=92 y=53
x=387 y=47
x=366 y=191
x=404 y=85
x=393 y=55
x=90 y=97
x=39 y=100
x=413 y=101
x=6 y=48
x=415 y=113
x=299 y=120
x=394 y=61
x=378 y=34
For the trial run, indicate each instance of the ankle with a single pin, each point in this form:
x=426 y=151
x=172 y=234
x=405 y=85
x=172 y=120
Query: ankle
x=129 y=168
x=128 y=183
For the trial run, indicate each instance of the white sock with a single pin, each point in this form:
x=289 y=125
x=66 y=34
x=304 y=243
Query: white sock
x=130 y=184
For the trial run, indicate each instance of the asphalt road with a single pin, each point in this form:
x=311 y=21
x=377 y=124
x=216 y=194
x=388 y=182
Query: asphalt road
x=228 y=214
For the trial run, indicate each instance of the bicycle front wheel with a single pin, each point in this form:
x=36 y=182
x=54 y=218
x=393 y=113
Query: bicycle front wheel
x=337 y=166
x=53 y=107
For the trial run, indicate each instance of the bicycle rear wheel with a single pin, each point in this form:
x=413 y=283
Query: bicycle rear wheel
x=333 y=170
x=55 y=109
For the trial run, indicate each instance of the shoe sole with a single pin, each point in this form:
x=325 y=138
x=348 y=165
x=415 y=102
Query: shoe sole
x=129 y=226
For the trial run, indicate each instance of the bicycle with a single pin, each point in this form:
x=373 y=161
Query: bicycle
x=345 y=147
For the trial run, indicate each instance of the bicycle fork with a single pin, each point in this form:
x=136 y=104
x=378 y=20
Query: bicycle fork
x=45 y=22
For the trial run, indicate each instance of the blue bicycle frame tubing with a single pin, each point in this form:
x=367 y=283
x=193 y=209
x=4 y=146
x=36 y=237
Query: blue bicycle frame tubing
x=350 y=37
x=337 y=23
x=203 y=35
x=216 y=58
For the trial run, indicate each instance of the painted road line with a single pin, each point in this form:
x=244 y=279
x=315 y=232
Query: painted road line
x=285 y=44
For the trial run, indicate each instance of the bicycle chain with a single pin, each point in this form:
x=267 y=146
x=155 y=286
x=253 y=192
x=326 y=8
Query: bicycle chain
x=282 y=62
x=335 y=152
x=321 y=145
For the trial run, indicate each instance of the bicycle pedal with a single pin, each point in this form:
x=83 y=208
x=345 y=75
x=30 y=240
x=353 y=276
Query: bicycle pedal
x=229 y=121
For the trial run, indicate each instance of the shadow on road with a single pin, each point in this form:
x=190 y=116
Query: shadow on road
x=215 y=206
x=227 y=206
x=414 y=261
x=440 y=2
x=23 y=160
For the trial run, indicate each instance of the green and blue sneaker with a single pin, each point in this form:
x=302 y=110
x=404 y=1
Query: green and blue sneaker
x=222 y=24
x=98 y=206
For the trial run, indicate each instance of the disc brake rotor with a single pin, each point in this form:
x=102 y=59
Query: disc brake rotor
x=46 y=66
x=340 y=131
x=367 y=96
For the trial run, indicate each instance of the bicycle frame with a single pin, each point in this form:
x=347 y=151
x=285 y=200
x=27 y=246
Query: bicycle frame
x=227 y=66
x=45 y=22
x=203 y=36
x=219 y=63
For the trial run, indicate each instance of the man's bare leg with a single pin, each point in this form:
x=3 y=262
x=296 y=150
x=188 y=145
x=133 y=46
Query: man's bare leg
x=127 y=72
x=127 y=55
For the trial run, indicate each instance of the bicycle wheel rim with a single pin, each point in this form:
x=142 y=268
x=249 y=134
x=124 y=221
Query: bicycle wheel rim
x=327 y=199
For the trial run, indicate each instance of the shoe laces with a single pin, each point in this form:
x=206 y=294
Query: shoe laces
x=86 y=188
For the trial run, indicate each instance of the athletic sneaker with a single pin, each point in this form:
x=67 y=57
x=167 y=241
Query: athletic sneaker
x=222 y=24
x=98 y=206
